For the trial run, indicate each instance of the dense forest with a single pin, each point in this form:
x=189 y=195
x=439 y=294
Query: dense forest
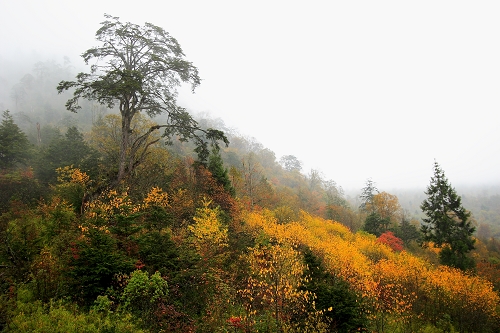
x=131 y=214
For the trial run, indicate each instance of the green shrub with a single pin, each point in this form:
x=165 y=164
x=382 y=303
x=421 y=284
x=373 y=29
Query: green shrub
x=58 y=317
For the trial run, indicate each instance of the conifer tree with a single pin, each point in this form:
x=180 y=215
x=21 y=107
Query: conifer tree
x=447 y=223
x=14 y=144
x=367 y=194
x=219 y=172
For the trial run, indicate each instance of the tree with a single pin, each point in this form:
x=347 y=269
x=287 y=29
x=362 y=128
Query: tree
x=407 y=229
x=143 y=294
x=291 y=163
x=219 y=172
x=274 y=285
x=95 y=262
x=387 y=214
x=70 y=150
x=376 y=224
x=447 y=223
x=14 y=144
x=386 y=205
x=334 y=297
x=138 y=69
x=367 y=194
x=209 y=235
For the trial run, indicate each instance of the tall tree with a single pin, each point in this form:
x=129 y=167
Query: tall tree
x=367 y=194
x=447 y=223
x=219 y=172
x=14 y=144
x=138 y=69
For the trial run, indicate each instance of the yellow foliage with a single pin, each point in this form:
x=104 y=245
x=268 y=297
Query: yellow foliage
x=209 y=234
x=156 y=197
x=68 y=174
x=275 y=277
x=398 y=284
x=109 y=204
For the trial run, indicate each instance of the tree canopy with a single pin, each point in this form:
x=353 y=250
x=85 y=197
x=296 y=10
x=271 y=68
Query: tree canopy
x=367 y=193
x=14 y=144
x=138 y=69
x=448 y=223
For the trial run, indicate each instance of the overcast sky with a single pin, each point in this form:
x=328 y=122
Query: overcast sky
x=355 y=89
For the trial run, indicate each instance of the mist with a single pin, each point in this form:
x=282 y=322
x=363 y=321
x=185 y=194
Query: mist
x=357 y=91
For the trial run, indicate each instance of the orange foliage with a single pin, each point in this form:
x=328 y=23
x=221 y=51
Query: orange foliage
x=398 y=284
x=489 y=271
x=386 y=205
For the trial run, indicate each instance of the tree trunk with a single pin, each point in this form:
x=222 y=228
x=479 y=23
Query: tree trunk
x=124 y=147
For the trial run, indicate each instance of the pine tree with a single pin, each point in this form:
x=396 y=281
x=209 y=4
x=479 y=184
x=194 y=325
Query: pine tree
x=14 y=145
x=367 y=194
x=447 y=223
x=70 y=149
x=219 y=172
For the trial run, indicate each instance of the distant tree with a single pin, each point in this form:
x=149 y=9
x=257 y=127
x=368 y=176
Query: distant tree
x=21 y=90
x=66 y=151
x=290 y=163
x=14 y=145
x=386 y=205
x=138 y=68
x=315 y=179
x=447 y=223
x=407 y=229
x=376 y=224
x=334 y=194
x=367 y=194
x=252 y=174
x=219 y=172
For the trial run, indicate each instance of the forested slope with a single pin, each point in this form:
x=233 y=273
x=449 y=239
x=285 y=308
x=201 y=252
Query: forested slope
x=186 y=246
x=175 y=231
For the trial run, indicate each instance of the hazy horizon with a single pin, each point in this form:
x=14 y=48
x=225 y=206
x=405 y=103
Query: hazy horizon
x=355 y=90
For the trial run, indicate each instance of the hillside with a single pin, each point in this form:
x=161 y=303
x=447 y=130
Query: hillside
x=116 y=221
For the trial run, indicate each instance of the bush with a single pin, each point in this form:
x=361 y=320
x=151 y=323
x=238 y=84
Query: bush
x=58 y=317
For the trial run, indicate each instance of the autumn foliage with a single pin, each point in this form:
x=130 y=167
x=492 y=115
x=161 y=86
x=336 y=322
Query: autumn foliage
x=388 y=238
x=184 y=251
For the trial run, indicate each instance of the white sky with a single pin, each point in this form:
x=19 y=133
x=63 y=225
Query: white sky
x=355 y=89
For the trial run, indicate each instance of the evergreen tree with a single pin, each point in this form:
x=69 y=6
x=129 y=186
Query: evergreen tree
x=14 y=144
x=367 y=194
x=376 y=224
x=65 y=151
x=407 y=231
x=447 y=223
x=347 y=312
x=219 y=172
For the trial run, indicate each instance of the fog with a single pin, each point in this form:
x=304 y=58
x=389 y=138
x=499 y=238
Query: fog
x=355 y=89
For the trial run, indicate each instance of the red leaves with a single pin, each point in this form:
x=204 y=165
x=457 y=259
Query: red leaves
x=235 y=322
x=388 y=238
